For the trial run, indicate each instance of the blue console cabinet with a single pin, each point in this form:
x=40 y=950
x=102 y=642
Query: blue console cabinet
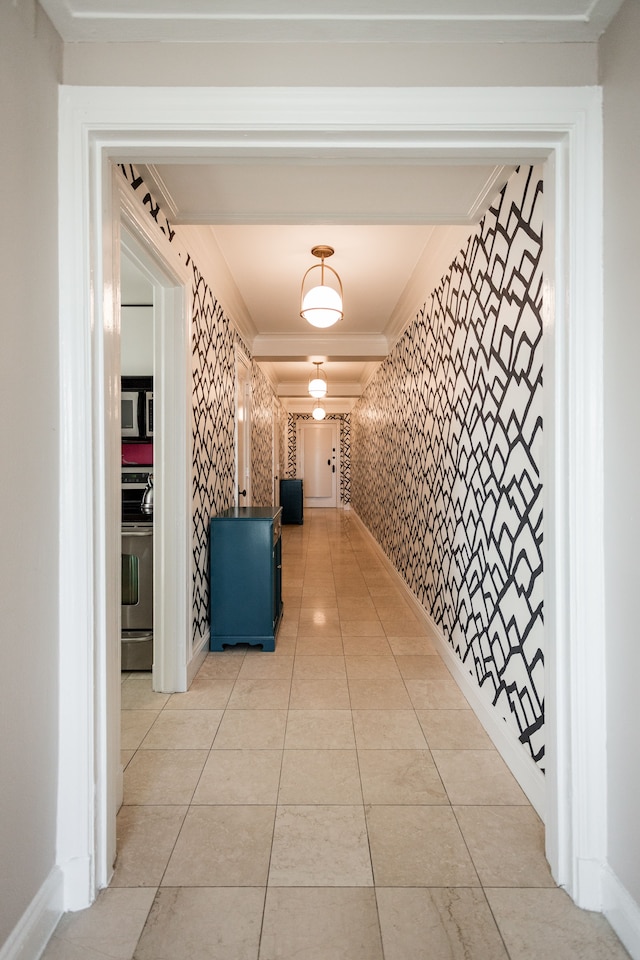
x=292 y=501
x=245 y=576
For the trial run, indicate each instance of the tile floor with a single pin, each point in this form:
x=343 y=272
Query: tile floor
x=334 y=800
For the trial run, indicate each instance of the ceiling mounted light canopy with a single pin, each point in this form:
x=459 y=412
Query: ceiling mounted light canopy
x=318 y=412
x=318 y=383
x=321 y=304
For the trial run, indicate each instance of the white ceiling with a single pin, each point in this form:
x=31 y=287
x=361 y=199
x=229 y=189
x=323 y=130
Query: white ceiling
x=330 y=21
x=267 y=213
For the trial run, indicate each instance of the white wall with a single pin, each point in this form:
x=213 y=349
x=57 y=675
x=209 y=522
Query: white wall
x=30 y=64
x=136 y=321
x=620 y=67
x=136 y=345
x=305 y=64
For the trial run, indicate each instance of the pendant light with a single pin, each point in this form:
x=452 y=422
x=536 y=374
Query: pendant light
x=318 y=383
x=321 y=304
x=318 y=412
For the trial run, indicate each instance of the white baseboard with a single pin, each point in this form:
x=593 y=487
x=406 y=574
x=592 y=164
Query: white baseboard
x=530 y=778
x=198 y=657
x=622 y=912
x=587 y=889
x=79 y=889
x=33 y=931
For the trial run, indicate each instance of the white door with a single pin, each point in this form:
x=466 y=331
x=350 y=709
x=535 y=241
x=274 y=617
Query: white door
x=243 y=431
x=318 y=463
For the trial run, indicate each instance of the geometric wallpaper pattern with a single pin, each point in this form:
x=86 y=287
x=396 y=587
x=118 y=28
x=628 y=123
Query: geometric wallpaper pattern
x=345 y=449
x=345 y=458
x=446 y=457
x=292 y=419
x=261 y=433
x=213 y=433
x=263 y=403
x=147 y=201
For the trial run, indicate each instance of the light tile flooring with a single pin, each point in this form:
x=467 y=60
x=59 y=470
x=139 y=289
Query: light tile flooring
x=334 y=800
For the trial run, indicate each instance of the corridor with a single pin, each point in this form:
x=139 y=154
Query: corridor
x=334 y=800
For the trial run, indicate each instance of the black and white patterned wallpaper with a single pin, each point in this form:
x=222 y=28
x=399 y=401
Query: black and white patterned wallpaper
x=148 y=203
x=446 y=457
x=262 y=438
x=345 y=458
x=292 y=419
x=345 y=448
x=213 y=433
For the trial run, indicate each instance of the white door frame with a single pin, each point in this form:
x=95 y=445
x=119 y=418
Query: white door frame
x=171 y=450
x=92 y=442
x=275 y=450
x=243 y=442
x=561 y=126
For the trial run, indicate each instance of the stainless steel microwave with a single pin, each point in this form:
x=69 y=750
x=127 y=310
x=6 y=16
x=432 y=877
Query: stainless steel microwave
x=136 y=414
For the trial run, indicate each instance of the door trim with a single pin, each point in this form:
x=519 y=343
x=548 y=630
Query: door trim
x=171 y=449
x=276 y=448
x=242 y=360
x=561 y=126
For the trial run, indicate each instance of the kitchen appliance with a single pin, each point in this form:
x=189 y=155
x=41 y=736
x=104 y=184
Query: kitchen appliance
x=147 y=497
x=137 y=596
x=136 y=409
x=137 y=570
x=136 y=480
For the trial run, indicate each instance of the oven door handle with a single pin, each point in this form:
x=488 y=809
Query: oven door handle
x=137 y=533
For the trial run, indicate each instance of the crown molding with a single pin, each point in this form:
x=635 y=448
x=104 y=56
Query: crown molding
x=307 y=346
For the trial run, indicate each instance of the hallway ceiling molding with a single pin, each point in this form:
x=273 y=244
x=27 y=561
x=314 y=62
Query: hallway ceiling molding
x=284 y=190
x=374 y=21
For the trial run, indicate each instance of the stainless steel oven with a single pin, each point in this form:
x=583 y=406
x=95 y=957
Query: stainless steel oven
x=135 y=480
x=137 y=596
x=137 y=572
